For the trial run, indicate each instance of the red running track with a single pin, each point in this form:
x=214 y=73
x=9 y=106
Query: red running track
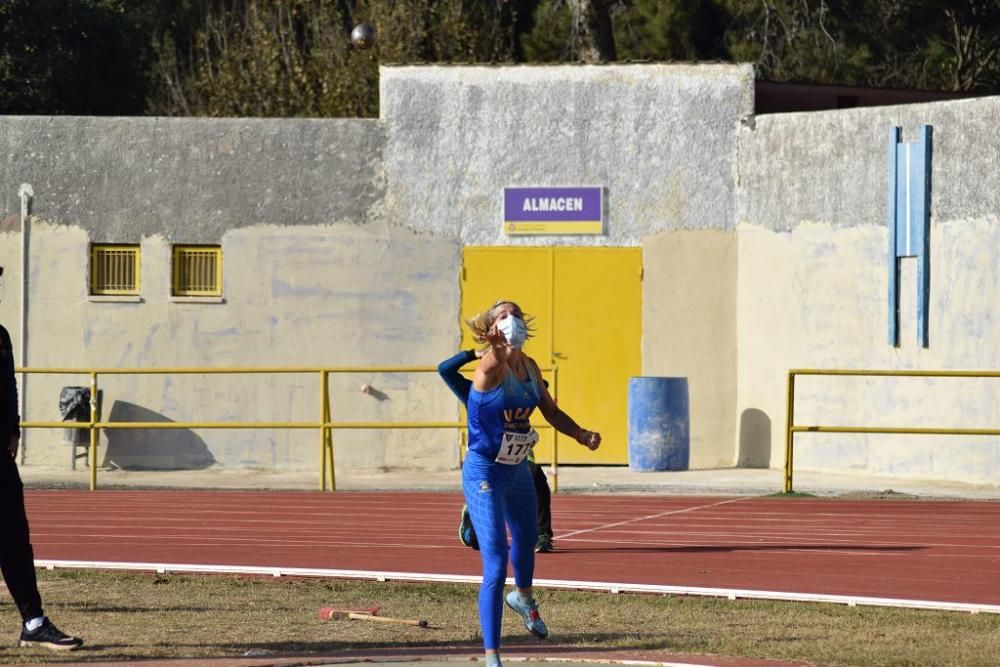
x=914 y=550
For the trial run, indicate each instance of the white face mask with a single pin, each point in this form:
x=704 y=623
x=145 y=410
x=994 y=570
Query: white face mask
x=514 y=330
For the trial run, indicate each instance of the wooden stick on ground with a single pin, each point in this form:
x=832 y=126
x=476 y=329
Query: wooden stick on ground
x=335 y=613
x=387 y=619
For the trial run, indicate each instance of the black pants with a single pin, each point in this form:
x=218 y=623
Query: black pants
x=544 y=499
x=17 y=559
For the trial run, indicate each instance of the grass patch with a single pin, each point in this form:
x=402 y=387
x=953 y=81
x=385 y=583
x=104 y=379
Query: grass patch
x=131 y=617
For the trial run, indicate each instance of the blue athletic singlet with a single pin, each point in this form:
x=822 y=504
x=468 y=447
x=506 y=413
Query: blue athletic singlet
x=506 y=408
x=501 y=495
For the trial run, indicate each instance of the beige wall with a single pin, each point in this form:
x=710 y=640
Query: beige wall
x=689 y=330
x=817 y=298
x=338 y=295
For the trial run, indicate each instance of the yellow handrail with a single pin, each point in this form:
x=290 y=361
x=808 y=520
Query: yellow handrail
x=791 y=428
x=326 y=425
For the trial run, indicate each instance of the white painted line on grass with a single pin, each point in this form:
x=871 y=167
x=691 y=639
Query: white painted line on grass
x=729 y=593
x=376 y=659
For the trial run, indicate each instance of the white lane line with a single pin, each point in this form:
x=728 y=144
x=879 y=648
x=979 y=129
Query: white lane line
x=729 y=593
x=563 y=536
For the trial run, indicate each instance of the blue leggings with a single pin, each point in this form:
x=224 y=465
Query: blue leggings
x=500 y=496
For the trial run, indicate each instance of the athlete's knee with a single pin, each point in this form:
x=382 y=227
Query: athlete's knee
x=495 y=571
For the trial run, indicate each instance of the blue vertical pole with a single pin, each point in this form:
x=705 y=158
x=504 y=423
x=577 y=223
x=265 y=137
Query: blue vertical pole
x=895 y=135
x=921 y=210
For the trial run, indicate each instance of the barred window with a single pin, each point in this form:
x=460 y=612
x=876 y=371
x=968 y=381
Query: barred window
x=197 y=270
x=114 y=269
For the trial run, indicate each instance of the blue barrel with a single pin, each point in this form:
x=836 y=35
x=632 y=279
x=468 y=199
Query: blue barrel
x=658 y=424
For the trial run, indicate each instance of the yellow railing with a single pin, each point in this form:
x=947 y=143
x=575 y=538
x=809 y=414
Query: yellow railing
x=791 y=428
x=325 y=425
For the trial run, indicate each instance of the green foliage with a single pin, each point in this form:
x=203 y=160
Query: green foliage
x=294 y=57
x=550 y=38
x=570 y=30
x=923 y=44
x=262 y=59
x=791 y=40
x=69 y=57
x=671 y=30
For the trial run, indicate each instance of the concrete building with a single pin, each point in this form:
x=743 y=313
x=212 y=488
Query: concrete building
x=729 y=248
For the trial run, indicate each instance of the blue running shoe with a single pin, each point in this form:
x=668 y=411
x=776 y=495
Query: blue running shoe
x=529 y=612
x=466 y=533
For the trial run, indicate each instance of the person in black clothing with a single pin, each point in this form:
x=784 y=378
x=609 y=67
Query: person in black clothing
x=460 y=386
x=17 y=559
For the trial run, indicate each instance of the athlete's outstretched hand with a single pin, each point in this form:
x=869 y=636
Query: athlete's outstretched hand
x=495 y=337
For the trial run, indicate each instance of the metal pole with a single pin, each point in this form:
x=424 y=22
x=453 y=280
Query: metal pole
x=322 y=430
x=26 y=193
x=326 y=462
x=329 y=440
x=92 y=450
x=554 y=470
x=789 y=421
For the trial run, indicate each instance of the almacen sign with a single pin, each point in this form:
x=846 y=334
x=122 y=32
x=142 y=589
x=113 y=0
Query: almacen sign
x=576 y=210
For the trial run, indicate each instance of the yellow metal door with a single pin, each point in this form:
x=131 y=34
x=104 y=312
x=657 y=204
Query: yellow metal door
x=597 y=344
x=522 y=275
x=586 y=304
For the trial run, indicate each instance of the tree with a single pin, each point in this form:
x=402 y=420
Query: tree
x=661 y=30
x=972 y=42
x=70 y=57
x=593 y=32
x=799 y=40
x=921 y=44
x=572 y=30
x=294 y=57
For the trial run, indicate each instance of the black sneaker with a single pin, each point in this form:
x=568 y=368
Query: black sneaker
x=544 y=545
x=49 y=636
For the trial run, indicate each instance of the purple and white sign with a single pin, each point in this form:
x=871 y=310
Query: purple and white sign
x=553 y=210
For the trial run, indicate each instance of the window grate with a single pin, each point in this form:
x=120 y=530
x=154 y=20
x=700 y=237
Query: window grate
x=197 y=271
x=114 y=269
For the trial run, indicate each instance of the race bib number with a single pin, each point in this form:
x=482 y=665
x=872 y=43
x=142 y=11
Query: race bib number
x=515 y=447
